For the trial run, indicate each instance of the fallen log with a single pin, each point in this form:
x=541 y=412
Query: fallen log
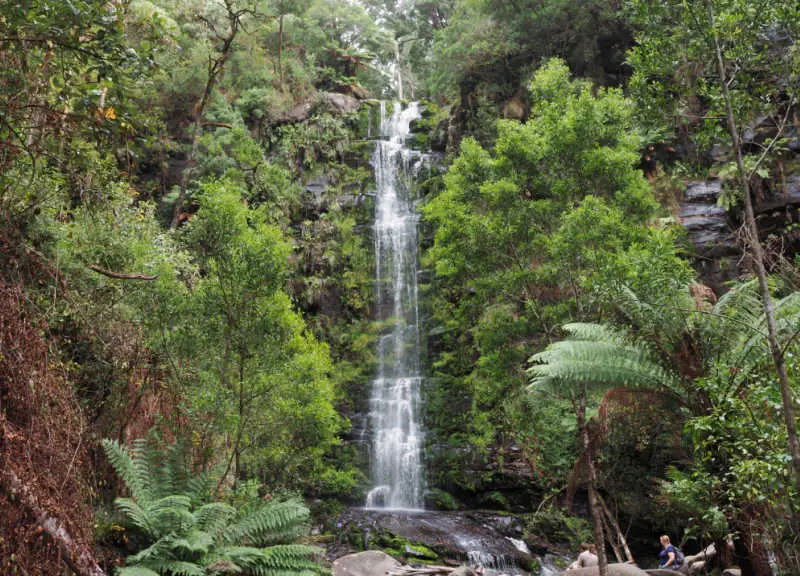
x=80 y=562
x=423 y=571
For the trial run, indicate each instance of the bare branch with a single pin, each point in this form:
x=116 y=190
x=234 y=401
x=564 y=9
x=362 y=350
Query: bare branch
x=121 y=275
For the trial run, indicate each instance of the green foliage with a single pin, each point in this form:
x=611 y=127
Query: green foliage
x=676 y=82
x=189 y=534
x=519 y=234
x=553 y=525
x=256 y=373
x=596 y=355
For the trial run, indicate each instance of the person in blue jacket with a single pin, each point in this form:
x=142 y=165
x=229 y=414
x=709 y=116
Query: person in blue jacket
x=669 y=557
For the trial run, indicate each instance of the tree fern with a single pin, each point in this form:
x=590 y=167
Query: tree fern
x=189 y=536
x=598 y=356
x=126 y=467
x=270 y=523
x=213 y=517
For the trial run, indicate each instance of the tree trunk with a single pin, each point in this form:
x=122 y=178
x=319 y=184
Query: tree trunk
x=597 y=520
x=81 y=562
x=280 y=48
x=757 y=256
x=615 y=525
x=215 y=69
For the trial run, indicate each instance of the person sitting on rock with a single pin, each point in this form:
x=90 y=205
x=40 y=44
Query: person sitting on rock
x=669 y=558
x=587 y=557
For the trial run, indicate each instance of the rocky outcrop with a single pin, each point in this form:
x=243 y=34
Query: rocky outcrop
x=333 y=102
x=712 y=230
x=705 y=222
x=482 y=539
x=369 y=563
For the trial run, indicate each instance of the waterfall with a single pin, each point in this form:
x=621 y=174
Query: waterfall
x=396 y=465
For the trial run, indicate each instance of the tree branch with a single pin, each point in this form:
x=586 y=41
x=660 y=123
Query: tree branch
x=121 y=275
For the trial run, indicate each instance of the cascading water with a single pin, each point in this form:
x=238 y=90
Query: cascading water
x=396 y=464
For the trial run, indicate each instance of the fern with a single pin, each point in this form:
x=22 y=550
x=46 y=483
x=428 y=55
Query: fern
x=136 y=571
x=598 y=356
x=126 y=468
x=270 y=523
x=213 y=517
x=190 y=536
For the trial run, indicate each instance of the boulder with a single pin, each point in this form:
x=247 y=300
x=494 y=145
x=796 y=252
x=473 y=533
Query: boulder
x=613 y=570
x=336 y=103
x=369 y=563
x=663 y=572
x=464 y=570
x=341 y=103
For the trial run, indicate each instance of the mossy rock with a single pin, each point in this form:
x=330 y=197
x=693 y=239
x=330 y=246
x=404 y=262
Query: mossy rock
x=441 y=500
x=419 y=552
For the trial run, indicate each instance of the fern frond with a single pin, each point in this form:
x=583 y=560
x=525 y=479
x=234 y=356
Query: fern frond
x=135 y=515
x=213 y=517
x=200 y=486
x=125 y=466
x=598 y=356
x=192 y=542
x=171 y=514
x=157 y=551
x=289 y=560
x=179 y=568
x=272 y=522
x=135 y=571
x=142 y=464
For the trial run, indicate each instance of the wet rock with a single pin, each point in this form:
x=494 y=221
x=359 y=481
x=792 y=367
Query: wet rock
x=337 y=103
x=719 y=154
x=789 y=195
x=454 y=537
x=316 y=188
x=706 y=223
x=369 y=563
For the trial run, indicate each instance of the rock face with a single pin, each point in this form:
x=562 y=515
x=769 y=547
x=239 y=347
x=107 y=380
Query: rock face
x=712 y=230
x=336 y=103
x=369 y=563
x=705 y=222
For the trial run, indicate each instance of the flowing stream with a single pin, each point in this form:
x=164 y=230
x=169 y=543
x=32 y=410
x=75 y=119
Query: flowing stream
x=396 y=465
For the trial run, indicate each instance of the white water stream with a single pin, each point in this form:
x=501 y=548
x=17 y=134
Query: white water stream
x=396 y=464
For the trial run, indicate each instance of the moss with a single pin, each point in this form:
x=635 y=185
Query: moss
x=420 y=552
x=441 y=500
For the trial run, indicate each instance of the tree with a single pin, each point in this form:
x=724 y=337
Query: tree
x=222 y=33
x=255 y=374
x=594 y=357
x=284 y=8
x=733 y=46
x=702 y=358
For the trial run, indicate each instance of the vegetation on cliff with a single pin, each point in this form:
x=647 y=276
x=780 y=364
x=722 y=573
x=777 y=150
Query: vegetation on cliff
x=186 y=254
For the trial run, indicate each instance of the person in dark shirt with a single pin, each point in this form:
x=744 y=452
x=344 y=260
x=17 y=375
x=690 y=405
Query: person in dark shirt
x=668 y=558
